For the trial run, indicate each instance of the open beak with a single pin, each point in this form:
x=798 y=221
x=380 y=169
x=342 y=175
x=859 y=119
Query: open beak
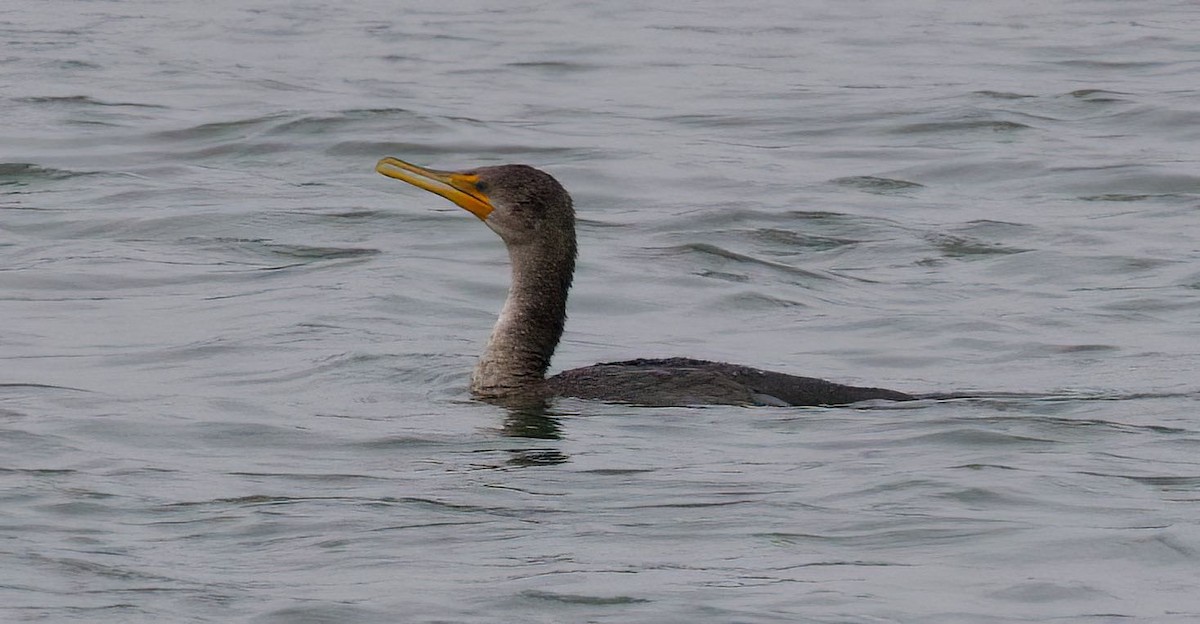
x=459 y=188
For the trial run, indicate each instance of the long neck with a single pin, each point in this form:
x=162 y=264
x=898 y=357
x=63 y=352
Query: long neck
x=530 y=324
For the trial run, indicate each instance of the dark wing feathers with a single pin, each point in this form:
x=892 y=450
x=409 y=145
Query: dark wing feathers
x=684 y=381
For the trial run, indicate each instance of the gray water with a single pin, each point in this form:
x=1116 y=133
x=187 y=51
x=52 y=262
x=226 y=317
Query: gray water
x=233 y=359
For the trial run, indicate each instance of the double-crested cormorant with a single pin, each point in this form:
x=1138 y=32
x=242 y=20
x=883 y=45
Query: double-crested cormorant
x=534 y=216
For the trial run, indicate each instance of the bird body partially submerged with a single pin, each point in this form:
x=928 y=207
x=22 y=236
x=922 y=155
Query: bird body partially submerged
x=684 y=381
x=534 y=216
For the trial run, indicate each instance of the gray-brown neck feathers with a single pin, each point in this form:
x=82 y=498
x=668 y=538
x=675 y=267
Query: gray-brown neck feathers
x=531 y=322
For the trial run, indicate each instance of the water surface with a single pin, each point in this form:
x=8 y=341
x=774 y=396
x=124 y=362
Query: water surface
x=233 y=360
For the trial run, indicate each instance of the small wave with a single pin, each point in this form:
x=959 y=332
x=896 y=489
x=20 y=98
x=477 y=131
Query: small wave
x=579 y=599
x=877 y=185
x=1119 y=65
x=707 y=249
x=319 y=253
x=80 y=100
x=742 y=302
x=1121 y=197
x=998 y=126
x=300 y=254
x=18 y=173
x=220 y=129
x=557 y=67
x=322 y=124
x=1004 y=95
x=39 y=386
x=1096 y=95
x=953 y=246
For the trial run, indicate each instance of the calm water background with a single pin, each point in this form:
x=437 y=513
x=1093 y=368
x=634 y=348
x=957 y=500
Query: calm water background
x=233 y=359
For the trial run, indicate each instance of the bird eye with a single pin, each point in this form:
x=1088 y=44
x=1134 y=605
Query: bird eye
x=481 y=186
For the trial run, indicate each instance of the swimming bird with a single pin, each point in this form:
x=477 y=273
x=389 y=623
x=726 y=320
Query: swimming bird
x=535 y=217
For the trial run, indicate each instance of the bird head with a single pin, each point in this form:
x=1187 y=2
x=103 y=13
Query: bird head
x=518 y=202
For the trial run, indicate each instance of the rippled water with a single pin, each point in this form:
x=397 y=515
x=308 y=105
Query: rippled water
x=233 y=358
